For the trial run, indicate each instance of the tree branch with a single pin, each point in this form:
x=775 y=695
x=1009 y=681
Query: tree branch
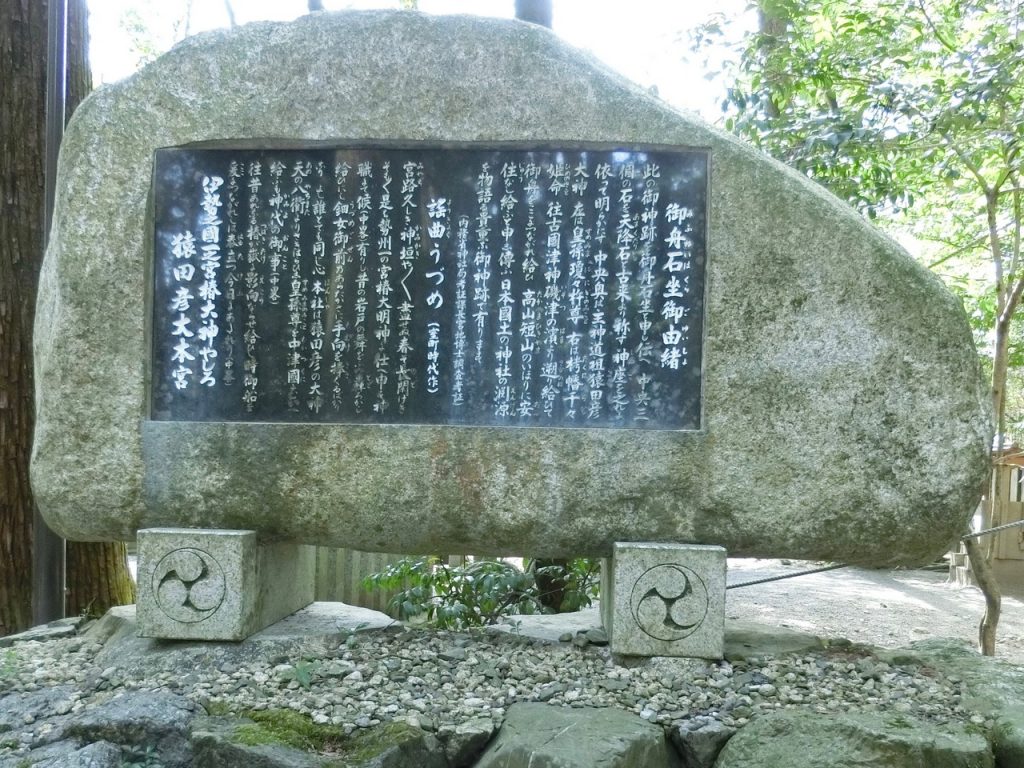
x=974 y=169
x=990 y=589
x=1015 y=255
x=1003 y=302
x=1012 y=300
x=938 y=35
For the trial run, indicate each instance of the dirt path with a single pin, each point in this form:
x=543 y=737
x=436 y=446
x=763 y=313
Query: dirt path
x=881 y=607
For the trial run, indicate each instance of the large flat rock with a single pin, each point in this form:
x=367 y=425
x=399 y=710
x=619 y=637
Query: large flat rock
x=865 y=740
x=844 y=414
x=541 y=736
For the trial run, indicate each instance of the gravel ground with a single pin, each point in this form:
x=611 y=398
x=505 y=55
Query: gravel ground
x=886 y=608
x=441 y=679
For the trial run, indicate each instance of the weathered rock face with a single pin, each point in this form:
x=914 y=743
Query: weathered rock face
x=539 y=736
x=844 y=416
x=803 y=740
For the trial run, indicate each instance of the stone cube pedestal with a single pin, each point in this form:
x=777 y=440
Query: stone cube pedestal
x=198 y=584
x=665 y=600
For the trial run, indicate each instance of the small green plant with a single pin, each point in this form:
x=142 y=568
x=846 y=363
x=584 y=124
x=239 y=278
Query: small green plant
x=8 y=664
x=301 y=672
x=304 y=673
x=348 y=634
x=476 y=594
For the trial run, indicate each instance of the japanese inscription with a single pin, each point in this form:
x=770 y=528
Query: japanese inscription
x=419 y=284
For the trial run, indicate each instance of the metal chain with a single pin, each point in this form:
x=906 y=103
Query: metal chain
x=987 y=531
x=786 y=576
x=834 y=567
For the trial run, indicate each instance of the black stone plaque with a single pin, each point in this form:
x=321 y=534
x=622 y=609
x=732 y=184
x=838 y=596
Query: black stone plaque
x=419 y=284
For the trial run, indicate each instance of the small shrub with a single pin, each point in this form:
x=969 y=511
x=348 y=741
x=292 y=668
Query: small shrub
x=476 y=594
x=575 y=583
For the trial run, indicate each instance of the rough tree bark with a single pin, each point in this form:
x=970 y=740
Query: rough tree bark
x=22 y=72
x=983 y=575
x=97 y=573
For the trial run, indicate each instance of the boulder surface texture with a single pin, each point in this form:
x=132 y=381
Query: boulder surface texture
x=540 y=736
x=866 y=740
x=844 y=414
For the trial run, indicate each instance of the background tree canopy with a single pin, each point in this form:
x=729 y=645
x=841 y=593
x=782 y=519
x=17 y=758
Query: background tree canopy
x=913 y=110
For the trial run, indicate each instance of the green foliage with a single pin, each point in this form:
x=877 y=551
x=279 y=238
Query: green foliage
x=884 y=101
x=478 y=593
x=8 y=665
x=304 y=673
x=579 y=582
x=913 y=110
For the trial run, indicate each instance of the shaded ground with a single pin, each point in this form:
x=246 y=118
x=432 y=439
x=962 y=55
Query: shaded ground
x=880 y=607
x=887 y=608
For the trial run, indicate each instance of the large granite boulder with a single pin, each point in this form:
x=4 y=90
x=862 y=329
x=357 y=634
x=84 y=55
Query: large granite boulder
x=542 y=736
x=867 y=740
x=992 y=687
x=844 y=417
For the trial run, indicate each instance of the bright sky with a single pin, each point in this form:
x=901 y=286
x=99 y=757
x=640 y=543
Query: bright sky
x=645 y=40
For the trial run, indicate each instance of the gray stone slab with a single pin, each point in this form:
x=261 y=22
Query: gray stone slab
x=464 y=742
x=55 y=630
x=217 y=584
x=700 y=742
x=542 y=736
x=836 y=367
x=325 y=619
x=746 y=639
x=100 y=754
x=667 y=600
x=157 y=719
x=886 y=740
x=217 y=744
x=550 y=626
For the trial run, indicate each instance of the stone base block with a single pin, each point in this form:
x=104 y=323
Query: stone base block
x=665 y=600
x=197 y=584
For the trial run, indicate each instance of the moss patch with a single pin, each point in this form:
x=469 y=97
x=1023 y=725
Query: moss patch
x=283 y=727
x=287 y=728
x=366 y=744
x=219 y=708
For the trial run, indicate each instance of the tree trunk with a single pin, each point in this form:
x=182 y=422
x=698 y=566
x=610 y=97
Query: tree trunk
x=98 y=578
x=22 y=105
x=772 y=25
x=991 y=510
x=986 y=580
x=535 y=11
x=22 y=121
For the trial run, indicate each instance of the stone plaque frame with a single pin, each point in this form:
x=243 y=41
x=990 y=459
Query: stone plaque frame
x=321 y=269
